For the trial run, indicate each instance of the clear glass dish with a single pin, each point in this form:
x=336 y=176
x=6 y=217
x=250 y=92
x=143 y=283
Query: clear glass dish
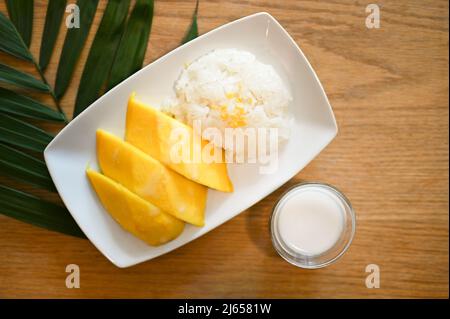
x=331 y=255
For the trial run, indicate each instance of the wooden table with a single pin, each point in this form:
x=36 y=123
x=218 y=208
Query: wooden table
x=389 y=91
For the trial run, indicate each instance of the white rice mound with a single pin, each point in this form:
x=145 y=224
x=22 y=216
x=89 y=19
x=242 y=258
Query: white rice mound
x=230 y=88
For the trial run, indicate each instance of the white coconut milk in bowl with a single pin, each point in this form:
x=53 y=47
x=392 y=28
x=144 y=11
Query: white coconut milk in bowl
x=312 y=225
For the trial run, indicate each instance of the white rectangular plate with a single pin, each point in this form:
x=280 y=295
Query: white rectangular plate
x=68 y=155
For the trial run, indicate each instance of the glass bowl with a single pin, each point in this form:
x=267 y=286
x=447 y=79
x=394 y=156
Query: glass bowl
x=332 y=254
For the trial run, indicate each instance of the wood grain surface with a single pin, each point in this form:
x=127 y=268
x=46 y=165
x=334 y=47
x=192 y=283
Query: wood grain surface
x=389 y=91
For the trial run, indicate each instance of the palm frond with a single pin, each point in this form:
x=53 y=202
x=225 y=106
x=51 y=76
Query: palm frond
x=21 y=14
x=133 y=44
x=21 y=79
x=193 y=29
x=16 y=104
x=24 y=167
x=16 y=132
x=53 y=18
x=35 y=211
x=10 y=40
x=101 y=54
x=73 y=45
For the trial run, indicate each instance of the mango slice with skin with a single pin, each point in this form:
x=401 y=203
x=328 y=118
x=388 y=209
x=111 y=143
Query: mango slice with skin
x=137 y=216
x=149 y=130
x=151 y=180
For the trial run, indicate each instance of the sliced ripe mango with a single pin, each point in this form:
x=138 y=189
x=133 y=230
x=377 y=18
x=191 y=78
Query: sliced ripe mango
x=134 y=214
x=149 y=130
x=151 y=180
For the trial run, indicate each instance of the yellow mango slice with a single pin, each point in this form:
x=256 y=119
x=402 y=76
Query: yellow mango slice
x=149 y=130
x=151 y=180
x=134 y=214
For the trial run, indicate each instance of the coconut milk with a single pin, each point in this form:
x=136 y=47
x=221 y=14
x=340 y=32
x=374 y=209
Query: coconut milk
x=311 y=220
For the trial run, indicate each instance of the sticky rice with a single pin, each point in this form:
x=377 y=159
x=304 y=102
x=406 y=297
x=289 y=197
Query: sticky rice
x=229 y=88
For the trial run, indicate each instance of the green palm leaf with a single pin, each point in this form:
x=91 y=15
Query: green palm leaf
x=18 y=133
x=53 y=18
x=21 y=14
x=101 y=55
x=35 y=211
x=10 y=40
x=193 y=30
x=24 y=167
x=17 y=104
x=133 y=44
x=21 y=79
x=73 y=45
